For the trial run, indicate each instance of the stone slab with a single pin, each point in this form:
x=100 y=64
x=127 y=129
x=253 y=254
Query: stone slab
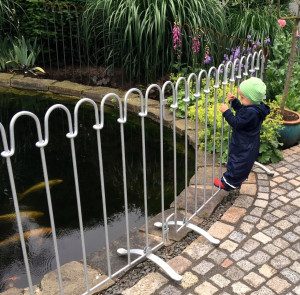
x=180 y=264
x=198 y=248
x=188 y=280
x=97 y=93
x=98 y=260
x=13 y=291
x=153 y=113
x=5 y=79
x=251 y=178
x=209 y=207
x=210 y=172
x=172 y=229
x=68 y=88
x=220 y=230
x=29 y=83
x=73 y=280
x=248 y=189
x=147 y=285
x=233 y=214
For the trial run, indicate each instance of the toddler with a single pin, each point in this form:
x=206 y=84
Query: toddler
x=246 y=125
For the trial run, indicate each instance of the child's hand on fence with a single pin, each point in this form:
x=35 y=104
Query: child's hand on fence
x=223 y=107
x=230 y=97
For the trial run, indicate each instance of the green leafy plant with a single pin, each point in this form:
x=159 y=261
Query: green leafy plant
x=214 y=123
x=269 y=150
x=23 y=56
x=180 y=111
x=277 y=71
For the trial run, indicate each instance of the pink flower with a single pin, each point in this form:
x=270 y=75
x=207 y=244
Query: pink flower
x=297 y=34
x=177 y=36
x=196 y=44
x=282 y=22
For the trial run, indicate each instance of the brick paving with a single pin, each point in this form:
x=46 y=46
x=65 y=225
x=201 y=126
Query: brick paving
x=259 y=251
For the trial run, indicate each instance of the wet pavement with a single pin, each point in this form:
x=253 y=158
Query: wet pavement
x=259 y=250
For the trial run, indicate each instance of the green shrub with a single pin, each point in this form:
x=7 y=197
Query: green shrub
x=269 y=145
x=22 y=56
x=180 y=111
x=212 y=108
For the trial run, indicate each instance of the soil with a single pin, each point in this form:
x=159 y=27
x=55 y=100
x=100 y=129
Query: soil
x=96 y=76
x=289 y=116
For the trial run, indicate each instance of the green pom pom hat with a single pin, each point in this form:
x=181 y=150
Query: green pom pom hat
x=254 y=89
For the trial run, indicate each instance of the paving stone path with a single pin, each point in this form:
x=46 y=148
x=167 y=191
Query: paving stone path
x=259 y=253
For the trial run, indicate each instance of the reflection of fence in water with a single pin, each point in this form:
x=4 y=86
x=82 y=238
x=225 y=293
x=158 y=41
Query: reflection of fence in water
x=231 y=73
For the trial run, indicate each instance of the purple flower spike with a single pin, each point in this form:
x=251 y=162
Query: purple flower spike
x=177 y=37
x=248 y=36
x=207 y=59
x=196 y=44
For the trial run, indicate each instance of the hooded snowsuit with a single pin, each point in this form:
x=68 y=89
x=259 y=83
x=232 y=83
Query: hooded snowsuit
x=245 y=141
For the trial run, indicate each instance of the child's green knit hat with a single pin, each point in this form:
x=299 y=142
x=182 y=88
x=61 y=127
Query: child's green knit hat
x=254 y=89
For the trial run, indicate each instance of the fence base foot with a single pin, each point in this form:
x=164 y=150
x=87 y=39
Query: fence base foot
x=154 y=258
x=269 y=172
x=193 y=227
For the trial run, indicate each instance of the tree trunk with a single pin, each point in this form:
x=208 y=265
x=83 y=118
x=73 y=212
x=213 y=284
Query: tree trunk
x=290 y=65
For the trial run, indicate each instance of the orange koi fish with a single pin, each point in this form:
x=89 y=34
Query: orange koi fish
x=29 y=234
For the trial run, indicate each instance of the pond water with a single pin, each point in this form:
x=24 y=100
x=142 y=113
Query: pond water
x=28 y=172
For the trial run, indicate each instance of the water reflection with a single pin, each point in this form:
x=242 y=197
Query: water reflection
x=28 y=173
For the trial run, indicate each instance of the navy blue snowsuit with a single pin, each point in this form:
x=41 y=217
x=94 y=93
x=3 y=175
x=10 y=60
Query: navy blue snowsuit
x=245 y=141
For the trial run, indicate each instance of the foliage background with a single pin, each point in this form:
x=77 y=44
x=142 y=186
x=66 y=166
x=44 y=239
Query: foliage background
x=277 y=69
x=135 y=36
x=257 y=18
x=138 y=34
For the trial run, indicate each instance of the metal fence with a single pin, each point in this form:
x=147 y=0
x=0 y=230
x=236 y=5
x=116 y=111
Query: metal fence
x=231 y=73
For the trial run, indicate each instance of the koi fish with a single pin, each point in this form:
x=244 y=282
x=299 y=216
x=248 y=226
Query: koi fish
x=25 y=214
x=29 y=234
x=38 y=187
x=10 y=281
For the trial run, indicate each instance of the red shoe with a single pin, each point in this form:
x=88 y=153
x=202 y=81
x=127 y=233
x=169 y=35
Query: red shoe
x=217 y=183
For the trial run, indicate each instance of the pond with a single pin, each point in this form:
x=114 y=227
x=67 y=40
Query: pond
x=28 y=173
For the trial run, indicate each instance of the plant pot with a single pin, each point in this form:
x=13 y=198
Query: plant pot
x=290 y=134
